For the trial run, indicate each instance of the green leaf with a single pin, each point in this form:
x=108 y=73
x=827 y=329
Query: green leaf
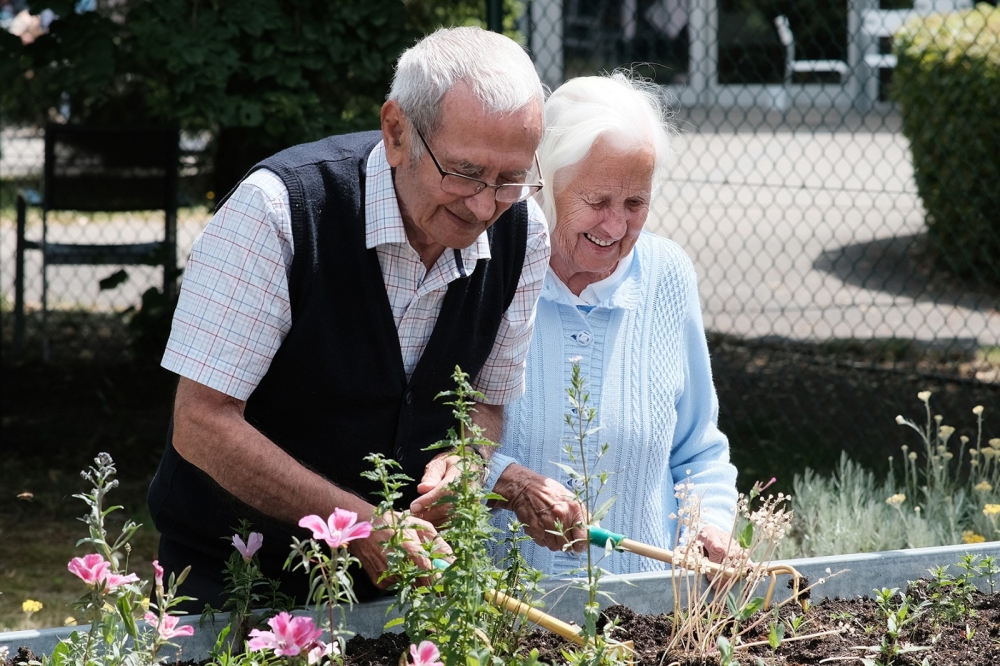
x=775 y=636
x=745 y=537
x=750 y=608
x=125 y=610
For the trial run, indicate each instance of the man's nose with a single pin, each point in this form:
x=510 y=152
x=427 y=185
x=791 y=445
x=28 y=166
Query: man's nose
x=483 y=205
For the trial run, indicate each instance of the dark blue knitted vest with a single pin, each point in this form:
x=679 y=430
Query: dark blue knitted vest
x=336 y=389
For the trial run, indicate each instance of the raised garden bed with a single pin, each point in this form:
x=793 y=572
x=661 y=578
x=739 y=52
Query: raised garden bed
x=971 y=640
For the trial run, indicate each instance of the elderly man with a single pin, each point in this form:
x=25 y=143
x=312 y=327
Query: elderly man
x=331 y=297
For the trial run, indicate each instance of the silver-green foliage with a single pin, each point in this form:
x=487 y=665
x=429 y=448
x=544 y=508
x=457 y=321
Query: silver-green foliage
x=939 y=496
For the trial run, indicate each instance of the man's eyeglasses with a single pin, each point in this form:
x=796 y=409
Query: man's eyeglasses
x=467 y=186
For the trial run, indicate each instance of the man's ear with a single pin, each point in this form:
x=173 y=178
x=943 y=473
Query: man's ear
x=395 y=134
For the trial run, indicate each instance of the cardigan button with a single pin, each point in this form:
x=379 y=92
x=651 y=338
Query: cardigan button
x=409 y=397
x=583 y=338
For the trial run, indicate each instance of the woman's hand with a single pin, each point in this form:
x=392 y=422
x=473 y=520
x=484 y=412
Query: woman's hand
x=551 y=515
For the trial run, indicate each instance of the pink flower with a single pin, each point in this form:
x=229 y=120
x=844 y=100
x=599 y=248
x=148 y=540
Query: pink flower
x=94 y=570
x=339 y=529
x=425 y=654
x=288 y=636
x=158 y=571
x=322 y=650
x=252 y=545
x=169 y=628
x=90 y=568
x=114 y=581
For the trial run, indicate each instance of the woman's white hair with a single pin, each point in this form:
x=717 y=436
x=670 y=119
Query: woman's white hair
x=497 y=70
x=619 y=108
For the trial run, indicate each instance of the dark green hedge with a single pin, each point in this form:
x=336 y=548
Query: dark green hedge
x=948 y=85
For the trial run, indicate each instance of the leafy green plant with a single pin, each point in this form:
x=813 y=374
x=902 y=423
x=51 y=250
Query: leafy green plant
x=898 y=616
x=951 y=596
x=988 y=569
x=246 y=588
x=599 y=647
x=452 y=611
x=113 y=601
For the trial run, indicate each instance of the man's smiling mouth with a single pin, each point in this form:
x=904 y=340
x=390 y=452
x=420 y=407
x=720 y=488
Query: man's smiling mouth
x=597 y=241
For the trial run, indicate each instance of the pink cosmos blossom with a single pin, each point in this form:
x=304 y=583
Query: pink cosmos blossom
x=158 y=573
x=169 y=628
x=288 y=636
x=91 y=568
x=425 y=654
x=251 y=546
x=338 y=529
x=113 y=581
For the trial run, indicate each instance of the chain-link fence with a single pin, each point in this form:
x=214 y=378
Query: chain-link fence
x=793 y=191
x=89 y=307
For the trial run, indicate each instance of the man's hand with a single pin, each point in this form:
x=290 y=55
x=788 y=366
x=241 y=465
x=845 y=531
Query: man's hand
x=543 y=506
x=440 y=472
x=416 y=532
x=443 y=469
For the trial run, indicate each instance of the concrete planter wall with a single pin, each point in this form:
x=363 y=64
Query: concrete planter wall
x=643 y=593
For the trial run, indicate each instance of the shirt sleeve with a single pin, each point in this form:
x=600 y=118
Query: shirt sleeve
x=234 y=309
x=700 y=451
x=501 y=379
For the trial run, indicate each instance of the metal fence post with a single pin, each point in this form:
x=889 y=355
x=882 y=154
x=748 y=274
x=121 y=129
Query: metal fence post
x=22 y=214
x=494 y=15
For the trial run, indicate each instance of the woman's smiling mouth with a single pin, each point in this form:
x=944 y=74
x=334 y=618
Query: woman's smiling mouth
x=597 y=241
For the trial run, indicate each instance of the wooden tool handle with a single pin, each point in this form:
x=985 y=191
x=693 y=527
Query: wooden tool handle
x=570 y=632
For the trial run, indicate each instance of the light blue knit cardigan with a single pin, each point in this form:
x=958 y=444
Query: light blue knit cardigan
x=645 y=360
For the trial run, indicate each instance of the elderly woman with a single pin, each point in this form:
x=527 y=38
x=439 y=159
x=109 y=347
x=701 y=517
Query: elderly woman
x=623 y=303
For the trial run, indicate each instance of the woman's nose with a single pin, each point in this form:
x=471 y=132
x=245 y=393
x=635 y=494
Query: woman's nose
x=615 y=223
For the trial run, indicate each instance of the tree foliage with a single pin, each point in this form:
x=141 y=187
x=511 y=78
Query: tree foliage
x=292 y=70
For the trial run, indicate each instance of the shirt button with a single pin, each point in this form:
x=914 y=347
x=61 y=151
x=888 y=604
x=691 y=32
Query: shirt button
x=583 y=338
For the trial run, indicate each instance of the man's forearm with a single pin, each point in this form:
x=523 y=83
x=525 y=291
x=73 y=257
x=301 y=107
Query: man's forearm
x=211 y=433
x=490 y=419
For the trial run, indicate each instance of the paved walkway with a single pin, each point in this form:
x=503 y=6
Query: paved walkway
x=788 y=228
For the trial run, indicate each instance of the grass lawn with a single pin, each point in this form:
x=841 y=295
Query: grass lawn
x=55 y=420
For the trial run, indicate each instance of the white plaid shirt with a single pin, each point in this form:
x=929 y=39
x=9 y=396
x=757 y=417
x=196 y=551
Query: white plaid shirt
x=234 y=309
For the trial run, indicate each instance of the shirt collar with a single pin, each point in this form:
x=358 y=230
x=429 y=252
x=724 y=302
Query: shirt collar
x=384 y=222
x=596 y=293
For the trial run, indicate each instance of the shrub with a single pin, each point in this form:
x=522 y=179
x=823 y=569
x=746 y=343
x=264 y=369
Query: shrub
x=948 y=85
x=948 y=492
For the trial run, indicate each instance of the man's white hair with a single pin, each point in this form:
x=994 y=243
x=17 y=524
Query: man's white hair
x=497 y=70
x=622 y=109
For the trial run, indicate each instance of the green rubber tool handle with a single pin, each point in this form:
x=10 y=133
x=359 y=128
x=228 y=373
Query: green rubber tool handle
x=600 y=537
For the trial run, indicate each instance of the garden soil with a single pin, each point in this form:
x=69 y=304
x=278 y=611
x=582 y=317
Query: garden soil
x=852 y=629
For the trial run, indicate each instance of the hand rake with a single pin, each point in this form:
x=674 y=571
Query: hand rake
x=599 y=537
